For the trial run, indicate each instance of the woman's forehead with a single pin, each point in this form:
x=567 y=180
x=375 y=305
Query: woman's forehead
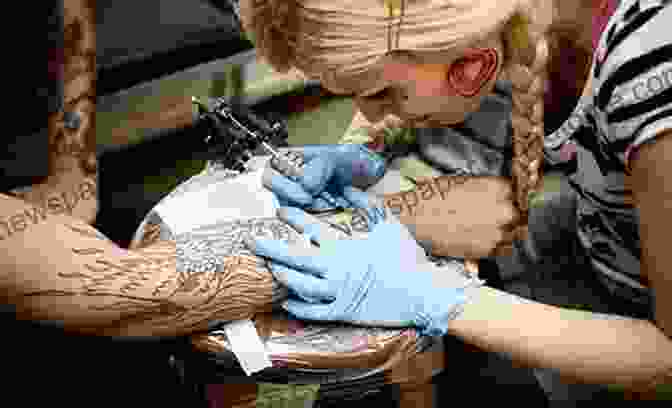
x=374 y=78
x=356 y=83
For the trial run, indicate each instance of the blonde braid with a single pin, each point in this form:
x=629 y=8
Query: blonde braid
x=528 y=55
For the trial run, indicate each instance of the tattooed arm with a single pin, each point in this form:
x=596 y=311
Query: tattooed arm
x=57 y=268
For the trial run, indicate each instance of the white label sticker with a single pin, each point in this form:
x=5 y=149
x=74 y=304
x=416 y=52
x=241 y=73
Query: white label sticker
x=247 y=346
x=240 y=198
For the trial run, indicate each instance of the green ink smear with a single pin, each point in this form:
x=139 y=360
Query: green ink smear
x=409 y=136
x=357 y=136
x=391 y=136
x=663 y=392
x=406 y=185
x=344 y=217
x=330 y=248
x=416 y=169
x=535 y=199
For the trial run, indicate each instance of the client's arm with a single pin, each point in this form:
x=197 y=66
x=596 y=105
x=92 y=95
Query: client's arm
x=469 y=217
x=589 y=346
x=59 y=269
x=583 y=346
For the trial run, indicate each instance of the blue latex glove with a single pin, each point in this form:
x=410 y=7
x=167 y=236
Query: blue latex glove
x=328 y=168
x=385 y=280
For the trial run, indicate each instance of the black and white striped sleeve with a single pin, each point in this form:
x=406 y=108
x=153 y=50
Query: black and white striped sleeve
x=635 y=98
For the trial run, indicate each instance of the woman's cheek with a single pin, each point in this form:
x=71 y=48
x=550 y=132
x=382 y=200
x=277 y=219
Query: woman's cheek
x=432 y=86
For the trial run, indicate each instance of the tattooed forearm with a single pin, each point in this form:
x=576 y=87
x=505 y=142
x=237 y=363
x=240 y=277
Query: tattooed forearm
x=158 y=290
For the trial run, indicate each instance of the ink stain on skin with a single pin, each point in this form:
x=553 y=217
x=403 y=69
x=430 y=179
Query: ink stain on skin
x=360 y=343
x=295 y=328
x=359 y=169
x=279 y=363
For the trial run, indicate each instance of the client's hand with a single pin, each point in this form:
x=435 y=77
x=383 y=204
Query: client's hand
x=385 y=280
x=328 y=168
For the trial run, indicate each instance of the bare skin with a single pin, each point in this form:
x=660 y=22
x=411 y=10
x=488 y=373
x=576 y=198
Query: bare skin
x=446 y=214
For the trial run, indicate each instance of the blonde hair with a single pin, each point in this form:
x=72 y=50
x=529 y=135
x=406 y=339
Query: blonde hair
x=322 y=36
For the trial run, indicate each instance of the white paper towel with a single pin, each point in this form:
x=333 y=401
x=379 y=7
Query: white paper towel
x=234 y=199
x=247 y=346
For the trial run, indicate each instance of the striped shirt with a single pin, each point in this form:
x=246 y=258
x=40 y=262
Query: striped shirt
x=628 y=103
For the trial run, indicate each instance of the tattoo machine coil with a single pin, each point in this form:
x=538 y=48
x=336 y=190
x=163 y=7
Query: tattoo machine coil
x=236 y=134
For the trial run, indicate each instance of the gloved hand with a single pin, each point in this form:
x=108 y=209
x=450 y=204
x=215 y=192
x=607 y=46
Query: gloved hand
x=385 y=280
x=328 y=168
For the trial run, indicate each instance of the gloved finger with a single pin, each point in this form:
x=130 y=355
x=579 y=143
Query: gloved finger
x=317 y=173
x=319 y=204
x=315 y=230
x=342 y=202
x=307 y=311
x=284 y=188
x=284 y=203
x=297 y=257
x=306 y=299
x=309 y=288
x=358 y=160
x=360 y=199
x=370 y=203
x=330 y=199
x=353 y=164
x=375 y=210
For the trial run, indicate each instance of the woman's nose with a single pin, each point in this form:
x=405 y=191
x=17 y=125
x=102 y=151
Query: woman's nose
x=374 y=111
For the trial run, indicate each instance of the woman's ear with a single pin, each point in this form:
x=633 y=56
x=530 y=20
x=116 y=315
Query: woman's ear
x=469 y=74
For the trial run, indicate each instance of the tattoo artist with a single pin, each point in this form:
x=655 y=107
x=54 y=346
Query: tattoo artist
x=433 y=82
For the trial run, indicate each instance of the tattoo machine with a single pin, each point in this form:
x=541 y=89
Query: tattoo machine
x=237 y=134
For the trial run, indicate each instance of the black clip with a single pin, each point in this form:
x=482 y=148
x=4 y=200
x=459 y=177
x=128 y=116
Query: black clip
x=234 y=132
